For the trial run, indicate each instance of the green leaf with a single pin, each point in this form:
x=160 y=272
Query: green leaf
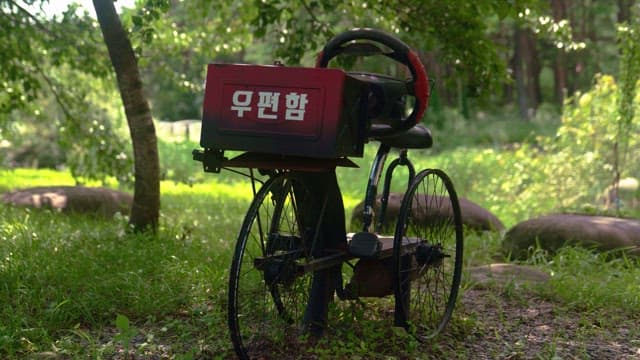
x=122 y=323
x=137 y=20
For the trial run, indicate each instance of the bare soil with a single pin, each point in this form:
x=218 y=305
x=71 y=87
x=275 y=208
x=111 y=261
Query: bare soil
x=518 y=325
x=491 y=322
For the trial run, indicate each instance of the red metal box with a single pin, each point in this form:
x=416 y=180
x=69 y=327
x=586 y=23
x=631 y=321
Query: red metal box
x=311 y=112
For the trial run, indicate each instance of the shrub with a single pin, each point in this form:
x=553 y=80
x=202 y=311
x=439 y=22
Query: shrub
x=584 y=153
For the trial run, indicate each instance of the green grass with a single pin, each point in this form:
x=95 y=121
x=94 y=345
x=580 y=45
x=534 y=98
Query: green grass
x=18 y=178
x=588 y=281
x=491 y=129
x=65 y=279
x=70 y=274
x=59 y=274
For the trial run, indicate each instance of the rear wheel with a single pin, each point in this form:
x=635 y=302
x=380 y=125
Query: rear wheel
x=268 y=290
x=427 y=255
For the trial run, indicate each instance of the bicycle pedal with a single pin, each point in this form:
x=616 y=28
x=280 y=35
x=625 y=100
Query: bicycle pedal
x=364 y=245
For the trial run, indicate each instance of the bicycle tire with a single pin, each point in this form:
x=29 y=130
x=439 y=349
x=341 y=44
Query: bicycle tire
x=267 y=297
x=427 y=255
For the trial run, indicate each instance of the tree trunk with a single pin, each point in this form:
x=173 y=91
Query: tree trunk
x=533 y=70
x=526 y=70
x=559 y=11
x=624 y=10
x=146 y=197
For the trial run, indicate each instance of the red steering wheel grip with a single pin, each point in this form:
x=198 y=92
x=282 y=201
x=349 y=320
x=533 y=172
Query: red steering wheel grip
x=421 y=86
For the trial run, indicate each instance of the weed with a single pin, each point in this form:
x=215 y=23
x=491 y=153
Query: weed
x=126 y=332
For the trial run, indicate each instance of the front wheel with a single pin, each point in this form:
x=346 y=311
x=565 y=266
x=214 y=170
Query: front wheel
x=427 y=255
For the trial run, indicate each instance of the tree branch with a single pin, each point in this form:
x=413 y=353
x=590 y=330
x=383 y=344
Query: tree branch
x=323 y=26
x=34 y=18
x=56 y=95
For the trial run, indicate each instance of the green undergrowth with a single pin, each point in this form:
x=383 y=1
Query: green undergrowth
x=60 y=274
x=590 y=281
x=66 y=278
x=73 y=286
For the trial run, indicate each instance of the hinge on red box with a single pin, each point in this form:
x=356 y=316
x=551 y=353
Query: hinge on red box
x=211 y=159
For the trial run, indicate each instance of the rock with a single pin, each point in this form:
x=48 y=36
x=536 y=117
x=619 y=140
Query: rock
x=506 y=273
x=554 y=231
x=99 y=201
x=474 y=217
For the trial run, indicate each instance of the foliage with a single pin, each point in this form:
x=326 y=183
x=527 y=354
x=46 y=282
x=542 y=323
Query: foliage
x=31 y=43
x=629 y=78
x=53 y=69
x=175 y=43
x=559 y=33
x=175 y=40
x=586 y=146
x=570 y=170
x=456 y=31
x=91 y=132
x=177 y=164
x=126 y=332
x=87 y=135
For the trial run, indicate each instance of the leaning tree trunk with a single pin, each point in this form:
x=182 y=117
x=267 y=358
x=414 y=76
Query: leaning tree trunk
x=146 y=197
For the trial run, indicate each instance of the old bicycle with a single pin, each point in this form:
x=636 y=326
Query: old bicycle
x=294 y=126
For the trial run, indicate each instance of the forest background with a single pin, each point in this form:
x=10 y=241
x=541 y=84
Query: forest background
x=534 y=110
x=488 y=57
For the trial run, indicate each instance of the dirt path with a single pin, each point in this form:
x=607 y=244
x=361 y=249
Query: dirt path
x=497 y=321
x=507 y=324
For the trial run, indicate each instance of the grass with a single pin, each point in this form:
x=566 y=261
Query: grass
x=589 y=281
x=17 y=178
x=59 y=275
x=72 y=286
x=64 y=274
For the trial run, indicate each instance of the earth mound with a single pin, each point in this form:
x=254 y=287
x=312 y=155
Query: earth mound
x=551 y=232
x=474 y=217
x=79 y=199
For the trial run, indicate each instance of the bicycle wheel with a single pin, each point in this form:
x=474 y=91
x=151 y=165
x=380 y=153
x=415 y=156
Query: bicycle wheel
x=427 y=255
x=268 y=290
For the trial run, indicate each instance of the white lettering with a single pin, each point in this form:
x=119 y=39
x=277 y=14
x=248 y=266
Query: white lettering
x=268 y=101
x=241 y=100
x=296 y=104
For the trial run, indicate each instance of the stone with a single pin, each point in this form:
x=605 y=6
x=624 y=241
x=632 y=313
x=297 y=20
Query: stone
x=552 y=232
x=77 y=199
x=474 y=217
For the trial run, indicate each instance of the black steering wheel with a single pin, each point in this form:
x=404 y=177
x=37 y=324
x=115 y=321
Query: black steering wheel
x=387 y=93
